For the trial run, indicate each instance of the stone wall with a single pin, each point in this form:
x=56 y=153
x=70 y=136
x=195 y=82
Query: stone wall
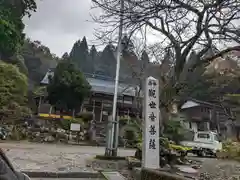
x=150 y=174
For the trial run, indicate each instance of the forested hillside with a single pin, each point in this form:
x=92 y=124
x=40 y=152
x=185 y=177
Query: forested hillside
x=34 y=59
x=103 y=63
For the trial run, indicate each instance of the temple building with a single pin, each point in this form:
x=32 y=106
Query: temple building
x=99 y=103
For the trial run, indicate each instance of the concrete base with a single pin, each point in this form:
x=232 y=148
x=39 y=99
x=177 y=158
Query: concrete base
x=107 y=165
x=136 y=173
x=111 y=165
x=180 y=173
x=33 y=174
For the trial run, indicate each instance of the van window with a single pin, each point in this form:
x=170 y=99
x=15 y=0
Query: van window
x=216 y=138
x=203 y=136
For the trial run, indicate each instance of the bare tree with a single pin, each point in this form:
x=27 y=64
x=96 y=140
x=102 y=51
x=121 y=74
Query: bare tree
x=182 y=25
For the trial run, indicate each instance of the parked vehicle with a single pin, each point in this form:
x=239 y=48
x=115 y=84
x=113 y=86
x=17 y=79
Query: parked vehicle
x=204 y=143
x=3 y=133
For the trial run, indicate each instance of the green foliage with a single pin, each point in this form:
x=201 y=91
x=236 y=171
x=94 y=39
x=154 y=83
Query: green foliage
x=18 y=60
x=93 y=54
x=174 y=131
x=232 y=149
x=11 y=36
x=13 y=113
x=40 y=91
x=68 y=87
x=11 y=25
x=13 y=93
x=107 y=63
x=86 y=116
x=65 y=123
x=80 y=56
x=13 y=85
x=38 y=60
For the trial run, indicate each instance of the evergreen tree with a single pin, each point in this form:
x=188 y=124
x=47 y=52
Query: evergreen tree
x=92 y=59
x=107 y=62
x=79 y=55
x=75 y=53
x=65 y=56
x=72 y=85
x=83 y=55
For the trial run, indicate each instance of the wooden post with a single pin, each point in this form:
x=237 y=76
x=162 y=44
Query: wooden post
x=128 y=116
x=101 y=114
x=93 y=111
x=39 y=104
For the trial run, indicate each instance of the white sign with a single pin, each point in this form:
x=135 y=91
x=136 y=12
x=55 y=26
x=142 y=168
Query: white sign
x=75 y=127
x=151 y=124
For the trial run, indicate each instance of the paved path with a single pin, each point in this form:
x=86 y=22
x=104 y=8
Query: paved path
x=65 y=179
x=54 y=158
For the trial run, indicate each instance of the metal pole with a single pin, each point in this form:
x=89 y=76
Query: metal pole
x=116 y=130
x=109 y=133
x=119 y=55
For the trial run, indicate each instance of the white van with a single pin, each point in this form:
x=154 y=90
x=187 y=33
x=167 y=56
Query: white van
x=204 y=143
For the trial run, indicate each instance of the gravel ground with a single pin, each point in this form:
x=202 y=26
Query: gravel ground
x=65 y=158
x=214 y=169
x=53 y=158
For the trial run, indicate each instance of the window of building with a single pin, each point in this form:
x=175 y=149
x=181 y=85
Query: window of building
x=205 y=109
x=190 y=125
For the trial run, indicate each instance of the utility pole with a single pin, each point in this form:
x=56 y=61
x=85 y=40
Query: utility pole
x=112 y=143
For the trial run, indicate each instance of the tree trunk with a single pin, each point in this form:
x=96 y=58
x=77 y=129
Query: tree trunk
x=164 y=117
x=238 y=133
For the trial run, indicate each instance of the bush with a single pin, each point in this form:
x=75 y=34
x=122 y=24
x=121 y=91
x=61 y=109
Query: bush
x=174 y=131
x=65 y=124
x=129 y=135
x=85 y=116
x=232 y=149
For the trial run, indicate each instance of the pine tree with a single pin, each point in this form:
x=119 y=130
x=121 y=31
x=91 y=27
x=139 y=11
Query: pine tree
x=107 y=62
x=92 y=59
x=65 y=56
x=79 y=55
x=75 y=53
x=84 y=64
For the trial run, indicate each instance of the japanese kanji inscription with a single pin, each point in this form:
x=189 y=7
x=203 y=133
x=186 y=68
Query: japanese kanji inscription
x=151 y=124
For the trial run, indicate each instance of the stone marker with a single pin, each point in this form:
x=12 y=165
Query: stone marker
x=150 y=144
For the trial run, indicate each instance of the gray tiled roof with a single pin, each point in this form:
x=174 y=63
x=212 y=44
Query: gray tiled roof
x=101 y=86
x=107 y=87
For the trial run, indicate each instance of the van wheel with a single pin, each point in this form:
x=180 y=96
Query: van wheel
x=201 y=153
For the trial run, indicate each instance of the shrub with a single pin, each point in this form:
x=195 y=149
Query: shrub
x=232 y=149
x=65 y=124
x=173 y=130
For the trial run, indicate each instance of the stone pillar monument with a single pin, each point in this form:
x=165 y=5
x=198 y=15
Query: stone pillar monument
x=150 y=144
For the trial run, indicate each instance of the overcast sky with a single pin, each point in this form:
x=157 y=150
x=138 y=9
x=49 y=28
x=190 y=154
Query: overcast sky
x=59 y=23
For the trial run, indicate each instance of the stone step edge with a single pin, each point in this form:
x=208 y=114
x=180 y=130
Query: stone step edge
x=38 y=174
